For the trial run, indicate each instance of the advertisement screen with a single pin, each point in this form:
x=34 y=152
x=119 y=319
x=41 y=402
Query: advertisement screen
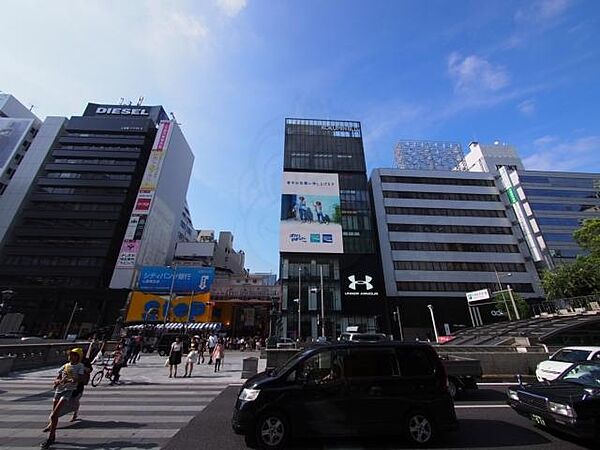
x=11 y=133
x=310 y=213
x=152 y=308
x=187 y=279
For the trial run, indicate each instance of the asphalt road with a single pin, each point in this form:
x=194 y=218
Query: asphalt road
x=485 y=423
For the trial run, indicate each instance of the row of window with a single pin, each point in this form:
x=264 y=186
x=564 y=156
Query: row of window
x=71 y=206
x=560 y=237
x=90 y=176
x=566 y=194
x=430 y=228
x=62 y=242
x=356 y=223
x=82 y=190
x=455 y=247
x=444 y=181
x=98 y=161
x=445 y=212
x=459 y=266
x=564 y=207
x=559 y=221
x=591 y=183
x=96 y=148
x=442 y=196
x=25 y=260
x=67 y=223
x=439 y=286
x=354 y=195
x=70 y=282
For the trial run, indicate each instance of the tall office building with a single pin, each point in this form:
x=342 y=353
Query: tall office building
x=18 y=127
x=74 y=228
x=443 y=234
x=550 y=205
x=328 y=261
x=428 y=155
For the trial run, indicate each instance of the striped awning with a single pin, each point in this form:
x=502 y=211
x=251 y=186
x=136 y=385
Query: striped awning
x=174 y=326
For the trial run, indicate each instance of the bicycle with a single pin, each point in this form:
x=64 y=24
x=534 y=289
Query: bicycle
x=106 y=371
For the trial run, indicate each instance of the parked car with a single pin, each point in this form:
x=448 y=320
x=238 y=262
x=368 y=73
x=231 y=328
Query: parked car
x=362 y=337
x=348 y=389
x=570 y=404
x=164 y=343
x=563 y=359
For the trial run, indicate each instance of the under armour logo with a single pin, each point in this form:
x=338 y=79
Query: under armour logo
x=366 y=282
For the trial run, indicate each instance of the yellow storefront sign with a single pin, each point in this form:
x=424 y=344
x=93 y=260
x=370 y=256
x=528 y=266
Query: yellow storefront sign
x=179 y=309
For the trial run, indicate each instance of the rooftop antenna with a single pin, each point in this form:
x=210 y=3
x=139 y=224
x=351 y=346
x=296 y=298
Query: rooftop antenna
x=121 y=100
x=31 y=107
x=130 y=102
x=140 y=100
x=173 y=118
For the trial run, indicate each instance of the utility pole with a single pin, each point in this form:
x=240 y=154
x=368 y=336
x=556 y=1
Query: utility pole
x=512 y=299
x=399 y=323
x=299 y=302
x=71 y=320
x=322 y=304
x=433 y=323
x=170 y=299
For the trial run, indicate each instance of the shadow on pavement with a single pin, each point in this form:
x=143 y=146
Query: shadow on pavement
x=35 y=397
x=111 y=424
x=477 y=395
x=113 y=445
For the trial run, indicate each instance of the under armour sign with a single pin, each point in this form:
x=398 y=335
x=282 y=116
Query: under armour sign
x=123 y=111
x=366 y=282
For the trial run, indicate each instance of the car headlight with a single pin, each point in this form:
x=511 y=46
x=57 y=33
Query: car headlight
x=563 y=410
x=249 y=395
x=513 y=395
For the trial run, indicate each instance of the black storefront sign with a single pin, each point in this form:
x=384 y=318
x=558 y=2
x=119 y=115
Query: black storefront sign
x=361 y=282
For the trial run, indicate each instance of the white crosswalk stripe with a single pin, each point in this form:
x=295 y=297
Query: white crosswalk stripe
x=137 y=416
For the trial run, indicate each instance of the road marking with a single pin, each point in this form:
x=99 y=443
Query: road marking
x=66 y=434
x=43 y=417
x=479 y=406
x=86 y=408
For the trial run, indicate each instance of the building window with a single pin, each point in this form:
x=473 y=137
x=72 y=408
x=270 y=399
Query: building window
x=459 y=266
x=454 y=247
x=439 y=286
x=444 y=212
x=444 y=181
x=430 y=228
x=442 y=196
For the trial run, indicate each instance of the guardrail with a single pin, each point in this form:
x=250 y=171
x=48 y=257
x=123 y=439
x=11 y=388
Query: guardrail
x=33 y=356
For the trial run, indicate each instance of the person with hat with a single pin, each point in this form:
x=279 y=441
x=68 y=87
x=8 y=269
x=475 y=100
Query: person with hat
x=65 y=384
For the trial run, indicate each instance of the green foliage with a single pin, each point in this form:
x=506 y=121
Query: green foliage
x=588 y=236
x=522 y=305
x=581 y=277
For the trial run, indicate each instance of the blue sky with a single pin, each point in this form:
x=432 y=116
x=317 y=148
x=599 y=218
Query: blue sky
x=522 y=72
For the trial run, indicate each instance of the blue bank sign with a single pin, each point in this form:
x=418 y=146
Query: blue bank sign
x=187 y=279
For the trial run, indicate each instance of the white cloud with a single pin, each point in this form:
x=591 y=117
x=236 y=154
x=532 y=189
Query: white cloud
x=232 y=7
x=475 y=74
x=527 y=107
x=582 y=154
x=542 y=11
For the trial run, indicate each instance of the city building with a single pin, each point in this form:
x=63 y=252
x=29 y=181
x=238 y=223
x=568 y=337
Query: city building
x=443 y=234
x=550 y=205
x=329 y=268
x=18 y=127
x=106 y=194
x=186 y=232
x=428 y=155
x=206 y=251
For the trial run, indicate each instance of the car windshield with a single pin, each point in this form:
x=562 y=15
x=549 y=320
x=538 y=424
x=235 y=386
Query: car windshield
x=584 y=374
x=288 y=365
x=570 y=356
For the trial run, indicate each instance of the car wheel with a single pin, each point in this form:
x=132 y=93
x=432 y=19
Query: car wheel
x=272 y=431
x=452 y=388
x=420 y=429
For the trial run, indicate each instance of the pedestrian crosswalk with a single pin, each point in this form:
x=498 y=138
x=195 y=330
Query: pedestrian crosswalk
x=142 y=413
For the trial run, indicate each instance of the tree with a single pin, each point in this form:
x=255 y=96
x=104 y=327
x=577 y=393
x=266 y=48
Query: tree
x=522 y=305
x=581 y=277
x=588 y=236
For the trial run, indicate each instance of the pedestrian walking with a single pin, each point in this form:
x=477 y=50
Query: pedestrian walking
x=84 y=380
x=192 y=358
x=212 y=342
x=64 y=386
x=175 y=357
x=218 y=354
x=137 y=348
x=201 y=348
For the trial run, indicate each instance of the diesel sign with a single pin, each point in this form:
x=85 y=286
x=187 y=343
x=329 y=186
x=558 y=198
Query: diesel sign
x=122 y=111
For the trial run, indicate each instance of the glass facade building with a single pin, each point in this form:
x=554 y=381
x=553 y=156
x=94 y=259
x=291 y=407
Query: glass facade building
x=322 y=148
x=428 y=155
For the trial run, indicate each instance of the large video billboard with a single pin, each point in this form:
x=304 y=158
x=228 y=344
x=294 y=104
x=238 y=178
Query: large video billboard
x=153 y=308
x=11 y=134
x=310 y=213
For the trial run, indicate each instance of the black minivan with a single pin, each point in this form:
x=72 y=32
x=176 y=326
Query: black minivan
x=348 y=389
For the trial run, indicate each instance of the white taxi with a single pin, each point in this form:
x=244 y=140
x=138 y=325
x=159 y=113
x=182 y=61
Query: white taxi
x=563 y=359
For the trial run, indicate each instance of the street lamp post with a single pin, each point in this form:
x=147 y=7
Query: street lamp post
x=397 y=314
x=299 y=301
x=433 y=322
x=322 y=303
x=510 y=295
x=512 y=299
x=170 y=299
x=75 y=308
